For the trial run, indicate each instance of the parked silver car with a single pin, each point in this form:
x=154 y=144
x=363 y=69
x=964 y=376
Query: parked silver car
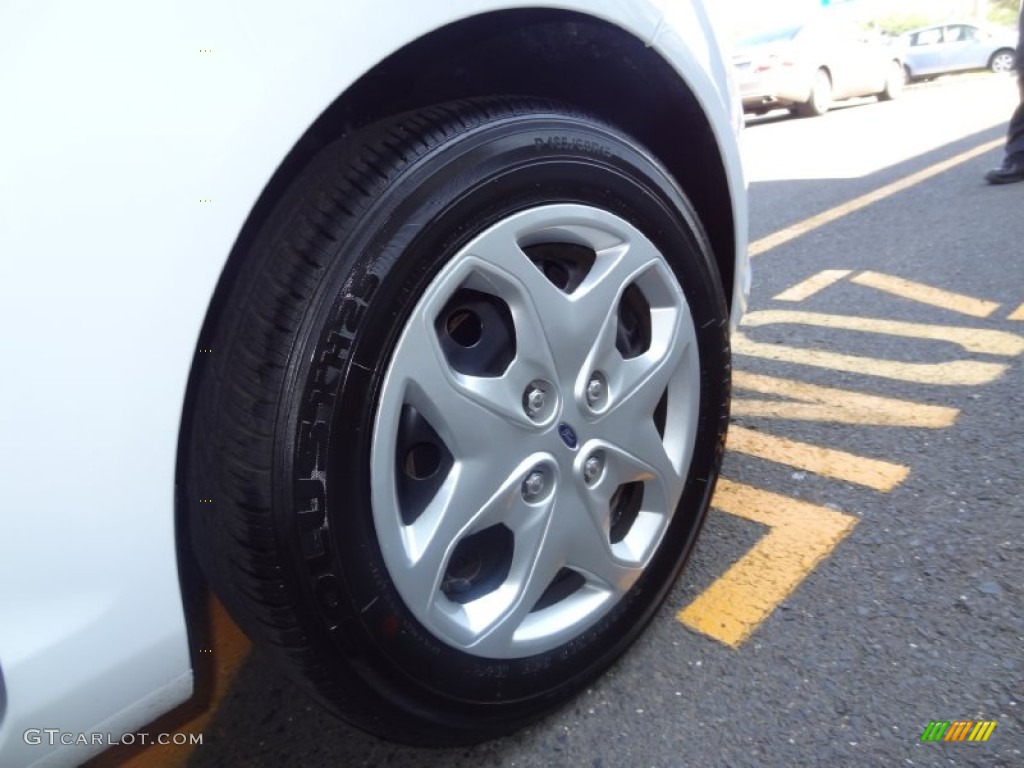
x=806 y=67
x=945 y=48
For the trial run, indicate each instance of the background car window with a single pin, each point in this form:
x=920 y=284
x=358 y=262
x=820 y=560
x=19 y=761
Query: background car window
x=953 y=34
x=927 y=37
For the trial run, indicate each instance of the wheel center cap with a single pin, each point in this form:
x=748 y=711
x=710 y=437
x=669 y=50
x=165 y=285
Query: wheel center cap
x=568 y=435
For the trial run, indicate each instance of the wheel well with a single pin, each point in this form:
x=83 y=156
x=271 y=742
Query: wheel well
x=559 y=55
x=565 y=56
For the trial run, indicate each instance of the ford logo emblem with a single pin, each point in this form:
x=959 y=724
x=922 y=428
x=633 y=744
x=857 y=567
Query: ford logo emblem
x=568 y=435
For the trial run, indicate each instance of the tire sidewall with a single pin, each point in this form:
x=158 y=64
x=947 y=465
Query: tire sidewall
x=435 y=204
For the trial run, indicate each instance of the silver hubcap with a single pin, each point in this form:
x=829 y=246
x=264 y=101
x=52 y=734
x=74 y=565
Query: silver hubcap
x=534 y=430
x=1002 y=63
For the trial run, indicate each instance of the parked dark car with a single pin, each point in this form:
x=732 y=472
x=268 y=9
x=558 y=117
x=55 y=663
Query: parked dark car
x=945 y=48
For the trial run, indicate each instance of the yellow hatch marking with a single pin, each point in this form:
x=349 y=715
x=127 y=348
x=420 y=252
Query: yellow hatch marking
x=837 y=406
x=926 y=294
x=828 y=462
x=812 y=285
x=801 y=535
x=950 y=373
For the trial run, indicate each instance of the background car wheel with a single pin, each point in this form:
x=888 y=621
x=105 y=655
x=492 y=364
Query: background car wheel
x=894 y=82
x=465 y=416
x=820 y=99
x=1002 y=61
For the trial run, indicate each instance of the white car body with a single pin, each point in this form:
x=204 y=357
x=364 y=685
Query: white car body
x=121 y=120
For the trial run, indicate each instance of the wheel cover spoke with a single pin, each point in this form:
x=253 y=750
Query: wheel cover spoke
x=479 y=493
x=538 y=558
x=637 y=383
x=518 y=545
x=590 y=551
x=438 y=392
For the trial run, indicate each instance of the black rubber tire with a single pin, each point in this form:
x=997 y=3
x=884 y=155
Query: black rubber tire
x=284 y=406
x=820 y=98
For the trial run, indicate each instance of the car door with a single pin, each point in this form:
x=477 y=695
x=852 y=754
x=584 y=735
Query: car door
x=958 y=47
x=924 y=54
x=977 y=47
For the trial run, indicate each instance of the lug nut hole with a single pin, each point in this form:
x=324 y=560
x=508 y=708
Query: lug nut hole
x=464 y=327
x=422 y=461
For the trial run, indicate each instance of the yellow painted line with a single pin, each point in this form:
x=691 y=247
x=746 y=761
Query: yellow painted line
x=801 y=535
x=832 y=214
x=812 y=285
x=827 y=462
x=981 y=340
x=1017 y=314
x=837 y=406
x=926 y=294
x=955 y=373
x=950 y=373
x=229 y=647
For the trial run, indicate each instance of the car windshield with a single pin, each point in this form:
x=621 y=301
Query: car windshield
x=771 y=36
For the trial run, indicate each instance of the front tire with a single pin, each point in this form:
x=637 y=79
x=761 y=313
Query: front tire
x=464 y=418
